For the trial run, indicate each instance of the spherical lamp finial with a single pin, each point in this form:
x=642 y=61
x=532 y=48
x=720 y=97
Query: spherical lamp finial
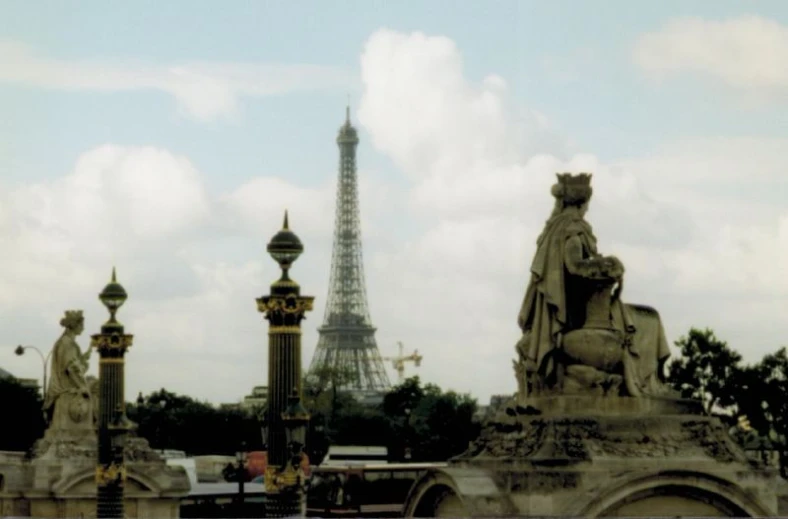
x=285 y=247
x=113 y=296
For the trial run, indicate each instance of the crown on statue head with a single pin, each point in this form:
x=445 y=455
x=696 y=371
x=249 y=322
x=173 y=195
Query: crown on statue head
x=579 y=180
x=573 y=189
x=72 y=318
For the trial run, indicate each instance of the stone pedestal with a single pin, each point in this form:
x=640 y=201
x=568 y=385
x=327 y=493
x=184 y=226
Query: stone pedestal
x=60 y=480
x=591 y=456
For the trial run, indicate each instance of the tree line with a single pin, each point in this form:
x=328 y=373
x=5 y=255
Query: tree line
x=416 y=421
x=709 y=370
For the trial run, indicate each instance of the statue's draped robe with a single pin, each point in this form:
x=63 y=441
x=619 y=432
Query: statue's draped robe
x=555 y=303
x=67 y=391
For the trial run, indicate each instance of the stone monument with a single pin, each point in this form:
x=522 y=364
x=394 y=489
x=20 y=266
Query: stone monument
x=593 y=430
x=69 y=399
x=58 y=478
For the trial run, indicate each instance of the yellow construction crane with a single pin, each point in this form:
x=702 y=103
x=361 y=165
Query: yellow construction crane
x=399 y=361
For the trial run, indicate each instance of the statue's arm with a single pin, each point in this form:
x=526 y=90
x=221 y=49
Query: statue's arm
x=574 y=259
x=596 y=267
x=76 y=372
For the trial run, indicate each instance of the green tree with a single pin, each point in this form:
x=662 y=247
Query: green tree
x=707 y=370
x=765 y=399
x=25 y=419
x=171 y=421
x=711 y=371
x=323 y=388
x=433 y=424
x=337 y=418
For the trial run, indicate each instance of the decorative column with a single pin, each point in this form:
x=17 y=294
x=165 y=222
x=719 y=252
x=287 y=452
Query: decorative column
x=286 y=418
x=113 y=426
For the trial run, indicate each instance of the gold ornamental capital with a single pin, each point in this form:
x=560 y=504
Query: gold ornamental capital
x=111 y=474
x=287 y=305
x=111 y=342
x=271 y=480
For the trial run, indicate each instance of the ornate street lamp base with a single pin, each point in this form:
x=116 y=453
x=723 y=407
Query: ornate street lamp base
x=110 y=502
x=285 y=504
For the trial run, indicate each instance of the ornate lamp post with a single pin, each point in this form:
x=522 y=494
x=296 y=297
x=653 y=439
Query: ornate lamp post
x=20 y=350
x=264 y=428
x=284 y=309
x=111 y=345
x=240 y=474
x=407 y=451
x=296 y=422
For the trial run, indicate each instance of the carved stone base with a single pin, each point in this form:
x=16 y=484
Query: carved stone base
x=590 y=405
x=586 y=380
x=60 y=480
x=599 y=348
x=561 y=456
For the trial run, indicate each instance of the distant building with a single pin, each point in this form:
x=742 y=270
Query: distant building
x=24 y=382
x=256 y=400
x=252 y=404
x=484 y=412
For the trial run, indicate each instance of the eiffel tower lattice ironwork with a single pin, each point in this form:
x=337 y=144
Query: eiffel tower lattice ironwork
x=347 y=338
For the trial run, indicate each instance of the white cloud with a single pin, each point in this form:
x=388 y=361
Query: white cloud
x=691 y=223
x=203 y=90
x=748 y=52
x=147 y=211
x=117 y=203
x=483 y=176
x=264 y=199
x=192 y=262
x=420 y=79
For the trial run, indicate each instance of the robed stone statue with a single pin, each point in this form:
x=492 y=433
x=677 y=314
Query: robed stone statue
x=578 y=336
x=69 y=398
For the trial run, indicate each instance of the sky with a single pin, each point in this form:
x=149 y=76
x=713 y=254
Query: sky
x=167 y=139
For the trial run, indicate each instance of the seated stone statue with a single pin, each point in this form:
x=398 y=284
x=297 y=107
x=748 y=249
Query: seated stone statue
x=578 y=337
x=69 y=400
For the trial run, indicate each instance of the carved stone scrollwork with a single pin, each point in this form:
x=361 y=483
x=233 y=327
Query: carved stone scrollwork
x=556 y=440
x=138 y=450
x=712 y=438
x=60 y=447
x=496 y=443
x=543 y=482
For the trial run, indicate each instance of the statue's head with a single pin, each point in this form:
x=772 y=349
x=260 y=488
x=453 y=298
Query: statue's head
x=73 y=321
x=572 y=190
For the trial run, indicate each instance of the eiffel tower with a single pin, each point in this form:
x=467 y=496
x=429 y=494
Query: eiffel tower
x=347 y=338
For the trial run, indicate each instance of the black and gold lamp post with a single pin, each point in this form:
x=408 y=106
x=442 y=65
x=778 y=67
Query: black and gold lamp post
x=296 y=422
x=113 y=426
x=286 y=418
